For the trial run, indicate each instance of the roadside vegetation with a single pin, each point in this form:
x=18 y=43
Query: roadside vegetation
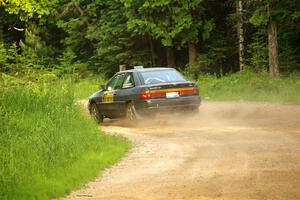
x=47 y=146
x=84 y=88
x=250 y=86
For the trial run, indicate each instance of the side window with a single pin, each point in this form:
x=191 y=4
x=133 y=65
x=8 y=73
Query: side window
x=116 y=82
x=129 y=82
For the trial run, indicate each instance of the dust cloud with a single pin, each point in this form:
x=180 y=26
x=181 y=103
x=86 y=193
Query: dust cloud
x=229 y=151
x=221 y=115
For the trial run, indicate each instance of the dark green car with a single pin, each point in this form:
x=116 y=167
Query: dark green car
x=144 y=92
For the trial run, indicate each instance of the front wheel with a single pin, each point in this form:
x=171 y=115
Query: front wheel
x=96 y=115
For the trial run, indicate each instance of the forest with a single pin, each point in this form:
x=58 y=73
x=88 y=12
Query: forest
x=80 y=37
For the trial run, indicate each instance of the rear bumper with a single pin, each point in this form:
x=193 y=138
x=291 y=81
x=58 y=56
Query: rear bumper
x=153 y=106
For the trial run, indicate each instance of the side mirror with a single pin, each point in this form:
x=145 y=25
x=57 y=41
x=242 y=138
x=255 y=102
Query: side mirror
x=102 y=87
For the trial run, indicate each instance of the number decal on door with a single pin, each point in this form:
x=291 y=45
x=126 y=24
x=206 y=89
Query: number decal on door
x=108 y=96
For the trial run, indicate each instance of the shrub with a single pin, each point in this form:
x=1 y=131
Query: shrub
x=247 y=85
x=47 y=147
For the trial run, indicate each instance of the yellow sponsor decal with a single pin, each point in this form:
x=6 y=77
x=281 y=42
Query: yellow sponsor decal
x=108 y=96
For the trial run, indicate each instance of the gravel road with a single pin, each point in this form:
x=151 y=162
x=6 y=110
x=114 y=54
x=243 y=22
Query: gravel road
x=230 y=151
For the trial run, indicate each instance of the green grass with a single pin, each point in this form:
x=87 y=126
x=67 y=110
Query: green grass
x=250 y=86
x=47 y=146
x=86 y=87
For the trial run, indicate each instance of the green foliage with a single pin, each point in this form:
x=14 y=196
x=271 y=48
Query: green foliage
x=87 y=86
x=68 y=67
x=211 y=61
x=113 y=42
x=207 y=29
x=258 y=52
x=47 y=147
x=77 y=38
x=165 y=20
x=23 y=69
x=285 y=14
x=201 y=65
x=296 y=15
x=10 y=60
x=251 y=86
x=260 y=17
x=29 y=9
x=80 y=36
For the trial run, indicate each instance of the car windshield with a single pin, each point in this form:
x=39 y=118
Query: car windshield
x=162 y=76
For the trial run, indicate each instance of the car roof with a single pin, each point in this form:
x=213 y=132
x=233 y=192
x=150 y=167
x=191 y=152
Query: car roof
x=147 y=69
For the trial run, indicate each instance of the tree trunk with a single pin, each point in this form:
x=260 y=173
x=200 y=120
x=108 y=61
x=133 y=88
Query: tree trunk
x=273 y=48
x=170 y=57
x=240 y=32
x=192 y=53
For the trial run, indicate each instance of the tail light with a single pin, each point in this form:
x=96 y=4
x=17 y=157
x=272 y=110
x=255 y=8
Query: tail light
x=153 y=94
x=196 y=90
x=157 y=94
x=190 y=91
x=145 y=94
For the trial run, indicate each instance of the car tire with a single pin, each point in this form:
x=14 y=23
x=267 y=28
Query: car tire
x=131 y=114
x=96 y=114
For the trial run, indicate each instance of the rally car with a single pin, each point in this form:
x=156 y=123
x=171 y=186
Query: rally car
x=144 y=92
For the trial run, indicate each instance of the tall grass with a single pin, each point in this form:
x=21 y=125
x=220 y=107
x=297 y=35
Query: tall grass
x=47 y=147
x=86 y=87
x=250 y=86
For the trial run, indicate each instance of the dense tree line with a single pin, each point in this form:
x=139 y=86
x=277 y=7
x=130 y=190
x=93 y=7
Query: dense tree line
x=198 y=36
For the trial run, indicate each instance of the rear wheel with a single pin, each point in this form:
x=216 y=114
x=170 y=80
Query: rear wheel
x=131 y=112
x=96 y=115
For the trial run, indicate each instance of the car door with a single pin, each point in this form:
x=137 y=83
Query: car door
x=125 y=93
x=109 y=104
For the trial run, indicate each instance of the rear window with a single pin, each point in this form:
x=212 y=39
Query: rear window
x=162 y=76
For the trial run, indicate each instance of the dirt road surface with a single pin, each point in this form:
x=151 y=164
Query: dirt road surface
x=230 y=151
